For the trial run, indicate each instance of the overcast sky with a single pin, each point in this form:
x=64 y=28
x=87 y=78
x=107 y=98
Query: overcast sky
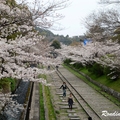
x=74 y=16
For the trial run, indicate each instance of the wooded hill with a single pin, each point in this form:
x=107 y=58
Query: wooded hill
x=63 y=39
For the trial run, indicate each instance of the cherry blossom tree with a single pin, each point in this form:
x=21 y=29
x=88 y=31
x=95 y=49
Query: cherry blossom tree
x=18 y=40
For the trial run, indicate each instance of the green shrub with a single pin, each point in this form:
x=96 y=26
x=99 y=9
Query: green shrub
x=67 y=61
x=110 y=73
x=89 y=67
x=97 y=69
x=106 y=70
x=6 y=83
x=56 y=44
x=78 y=65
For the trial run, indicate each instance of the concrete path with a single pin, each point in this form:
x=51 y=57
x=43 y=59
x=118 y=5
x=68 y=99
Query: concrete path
x=34 y=111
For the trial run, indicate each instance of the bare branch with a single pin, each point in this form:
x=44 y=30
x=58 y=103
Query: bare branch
x=44 y=14
x=103 y=23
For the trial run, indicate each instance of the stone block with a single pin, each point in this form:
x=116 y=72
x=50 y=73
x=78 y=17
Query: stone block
x=73 y=115
x=74 y=118
x=67 y=107
x=71 y=111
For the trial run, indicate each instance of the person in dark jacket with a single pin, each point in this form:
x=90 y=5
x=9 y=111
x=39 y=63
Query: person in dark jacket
x=48 y=67
x=70 y=101
x=57 y=67
x=64 y=87
x=89 y=118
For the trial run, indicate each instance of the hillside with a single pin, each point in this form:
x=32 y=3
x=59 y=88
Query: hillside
x=63 y=39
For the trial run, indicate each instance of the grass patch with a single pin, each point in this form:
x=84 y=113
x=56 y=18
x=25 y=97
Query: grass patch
x=42 y=110
x=50 y=107
x=113 y=84
x=51 y=111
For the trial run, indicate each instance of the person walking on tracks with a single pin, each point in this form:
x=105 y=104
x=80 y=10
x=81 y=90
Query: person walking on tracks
x=64 y=87
x=48 y=67
x=89 y=118
x=70 y=101
x=57 y=67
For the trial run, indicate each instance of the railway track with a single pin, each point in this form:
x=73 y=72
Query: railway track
x=84 y=108
x=88 y=110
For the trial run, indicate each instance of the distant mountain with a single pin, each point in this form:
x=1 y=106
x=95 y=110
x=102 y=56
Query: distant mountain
x=63 y=39
x=44 y=32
